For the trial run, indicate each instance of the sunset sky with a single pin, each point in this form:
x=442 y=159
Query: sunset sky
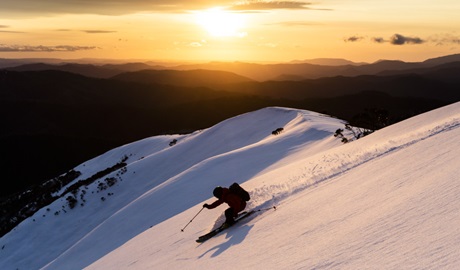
x=187 y=30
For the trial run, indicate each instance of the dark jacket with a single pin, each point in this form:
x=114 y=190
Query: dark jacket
x=233 y=200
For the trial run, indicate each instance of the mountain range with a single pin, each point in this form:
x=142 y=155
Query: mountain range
x=303 y=69
x=92 y=107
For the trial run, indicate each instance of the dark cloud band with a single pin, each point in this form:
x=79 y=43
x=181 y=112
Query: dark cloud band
x=40 y=48
x=119 y=7
x=98 y=31
x=396 y=39
x=353 y=39
x=268 y=5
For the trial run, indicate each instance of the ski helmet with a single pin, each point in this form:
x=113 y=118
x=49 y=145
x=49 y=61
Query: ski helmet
x=217 y=192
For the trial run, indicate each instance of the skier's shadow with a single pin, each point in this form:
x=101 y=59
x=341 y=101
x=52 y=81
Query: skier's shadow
x=234 y=237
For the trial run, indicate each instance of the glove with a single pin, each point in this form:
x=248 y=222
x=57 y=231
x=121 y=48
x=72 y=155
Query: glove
x=206 y=205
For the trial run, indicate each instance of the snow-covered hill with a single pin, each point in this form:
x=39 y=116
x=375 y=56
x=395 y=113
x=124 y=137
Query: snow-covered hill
x=387 y=201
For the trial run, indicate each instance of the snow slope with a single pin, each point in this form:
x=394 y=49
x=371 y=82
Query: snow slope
x=387 y=201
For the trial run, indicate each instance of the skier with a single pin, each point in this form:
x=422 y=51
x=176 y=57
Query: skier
x=236 y=203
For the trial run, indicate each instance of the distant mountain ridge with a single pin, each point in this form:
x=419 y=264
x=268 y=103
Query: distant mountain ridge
x=89 y=70
x=328 y=62
x=43 y=107
x=295 y=70
x=265 y=72
x=443 y=59
x=189 y=78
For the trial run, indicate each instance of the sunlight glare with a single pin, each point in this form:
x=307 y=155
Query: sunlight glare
x=220 y=23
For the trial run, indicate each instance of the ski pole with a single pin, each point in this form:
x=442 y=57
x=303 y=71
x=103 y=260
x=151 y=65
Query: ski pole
x=182 y=230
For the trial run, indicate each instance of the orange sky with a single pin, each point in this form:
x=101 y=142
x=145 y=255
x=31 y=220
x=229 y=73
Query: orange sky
x=278 y=31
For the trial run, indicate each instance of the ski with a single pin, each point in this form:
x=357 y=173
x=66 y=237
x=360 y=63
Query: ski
x=214 y=232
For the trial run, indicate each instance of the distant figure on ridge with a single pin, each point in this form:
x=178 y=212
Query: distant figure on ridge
x=235 y=196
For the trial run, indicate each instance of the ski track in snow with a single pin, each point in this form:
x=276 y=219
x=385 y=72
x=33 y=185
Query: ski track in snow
x=338 y=164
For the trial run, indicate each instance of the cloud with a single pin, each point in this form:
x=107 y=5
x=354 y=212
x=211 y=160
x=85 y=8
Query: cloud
x=445 y=39
x=14 y=32
x=294 y=23
x=9 y=31
x=353 y=39
x=268 y=5
x=455 y=40
x=195 y=44
x=268 y=45
x=40 y=48
x=98 y=31
x=378 y=39
x=94 y=31
x=30 y=8
x=398 y=39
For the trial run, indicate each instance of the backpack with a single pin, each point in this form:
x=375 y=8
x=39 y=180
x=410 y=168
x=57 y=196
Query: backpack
x=238 y=190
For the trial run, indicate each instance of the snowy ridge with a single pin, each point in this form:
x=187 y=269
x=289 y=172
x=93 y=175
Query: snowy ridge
x=328 y=165
x=386 y=201
x=155 y=172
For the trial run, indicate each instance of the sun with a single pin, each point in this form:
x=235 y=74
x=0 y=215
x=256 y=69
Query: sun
x=221 y=23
